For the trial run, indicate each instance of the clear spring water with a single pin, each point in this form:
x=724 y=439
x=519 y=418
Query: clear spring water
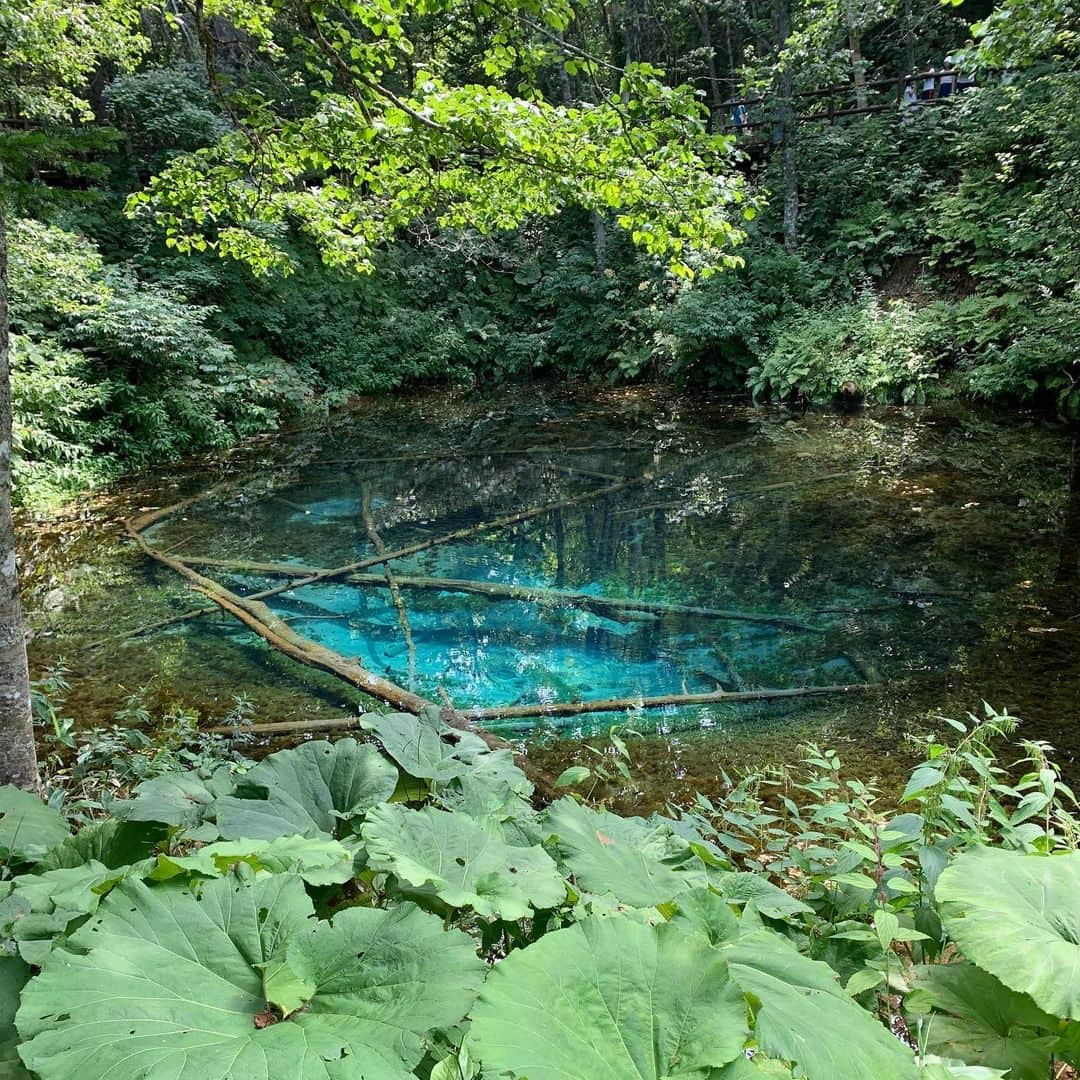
x=931 y=554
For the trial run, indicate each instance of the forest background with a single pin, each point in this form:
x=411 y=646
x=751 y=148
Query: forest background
x=928 y=251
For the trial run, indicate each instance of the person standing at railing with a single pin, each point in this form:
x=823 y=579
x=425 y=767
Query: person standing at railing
x=740 y=117
x=929 y=85
x=910 y=99
x=947 y=81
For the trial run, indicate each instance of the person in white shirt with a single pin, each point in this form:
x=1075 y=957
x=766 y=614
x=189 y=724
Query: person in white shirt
x=929 y=85
x=947 y=82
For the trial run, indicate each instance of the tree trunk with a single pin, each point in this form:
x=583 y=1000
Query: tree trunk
x=855 y=47
x=711 y=74
x=909 y=36
x=18 y=760
x=784 y=128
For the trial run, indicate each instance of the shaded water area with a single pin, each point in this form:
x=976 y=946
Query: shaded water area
x=933 y=555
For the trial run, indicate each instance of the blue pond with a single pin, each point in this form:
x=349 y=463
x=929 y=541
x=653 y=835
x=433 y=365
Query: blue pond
x=921 y=556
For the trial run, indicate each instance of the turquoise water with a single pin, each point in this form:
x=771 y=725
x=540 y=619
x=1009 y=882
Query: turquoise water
x=928 y=554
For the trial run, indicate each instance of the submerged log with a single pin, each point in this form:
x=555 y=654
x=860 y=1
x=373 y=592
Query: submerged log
x=141 y=521
x=572 y=708
x=274 y=630
x=662 y=701
x=609 y=607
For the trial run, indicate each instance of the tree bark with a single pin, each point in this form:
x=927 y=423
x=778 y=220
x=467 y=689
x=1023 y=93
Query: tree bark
x=909 y=36
x=855 y=47
x=785 y=128
x=18 y=758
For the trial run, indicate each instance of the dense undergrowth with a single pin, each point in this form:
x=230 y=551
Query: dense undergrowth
x=400 y=908
x=949 y=265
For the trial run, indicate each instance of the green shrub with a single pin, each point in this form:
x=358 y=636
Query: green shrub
x=867 y=350
x=404 y=905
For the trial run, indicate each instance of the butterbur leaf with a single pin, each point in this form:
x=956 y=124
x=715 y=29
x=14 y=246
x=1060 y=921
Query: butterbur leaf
x=184 y=800
x=13 y=975
x=463 y=864
x=28 y=827
x=307 y=791
x=639 y=863
x=609 y=999
x=971 y=1016
x=1026 y=928
x=283 y=988
x=935 y=1068
x=800 y=1002
x=423 y=748
x=769 y=899
x=319 y=861
x=111 y=842
x=167 y=984
x=703 y=912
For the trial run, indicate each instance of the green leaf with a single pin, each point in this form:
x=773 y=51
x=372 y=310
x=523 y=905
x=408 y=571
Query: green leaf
x=573 y=775
x=769 y=899
x=639 y=863
x=703 y=912
x=318 y=860
x=185 y=800
x=283 y=988
x=28 y=827
x=886 y=926
x=111 y=842
x=970 y=1015
x=13 y=976
x=167 y=984
x=423 y=749
x=922 y=779
x=464 y=865
x=307 y=791
x=864 y=979
x=801 y=1001
x=1017 y=917
x=609 y=999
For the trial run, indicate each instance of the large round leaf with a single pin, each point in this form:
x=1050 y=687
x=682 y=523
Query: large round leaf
x=184 y=799
x=464 y=864
x=640 y=863
x=174 y=985
x=28 y=827
x=308 y=790
x=1018 y=916
x=969 y=1015
x=804 y=1016
x=609 y=999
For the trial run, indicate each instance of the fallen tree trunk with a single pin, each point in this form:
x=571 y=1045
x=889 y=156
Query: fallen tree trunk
x=570 y=708
x=577 y=708
x=274 y=630
x=411 y=549
x=600 y=605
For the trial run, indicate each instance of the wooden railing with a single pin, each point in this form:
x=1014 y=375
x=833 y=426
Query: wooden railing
x=830 y=103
